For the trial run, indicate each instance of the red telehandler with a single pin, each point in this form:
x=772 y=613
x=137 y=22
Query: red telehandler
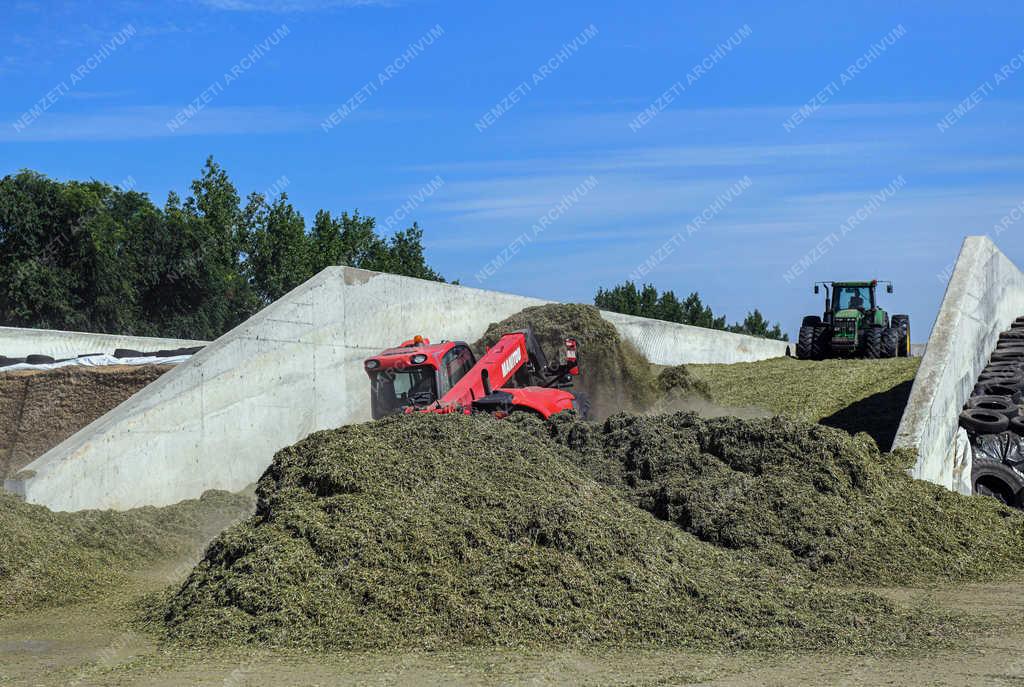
x=513 y=375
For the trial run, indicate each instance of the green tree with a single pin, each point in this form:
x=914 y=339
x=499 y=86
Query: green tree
x=280 y=253
x=647 y=302
x=756 y=325
x=88 y=256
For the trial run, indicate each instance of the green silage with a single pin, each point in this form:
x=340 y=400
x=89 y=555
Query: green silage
x=797 y=494
x=446 y=531
x=52 y=558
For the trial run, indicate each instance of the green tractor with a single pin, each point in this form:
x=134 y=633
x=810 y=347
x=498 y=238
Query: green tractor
x=853 y=325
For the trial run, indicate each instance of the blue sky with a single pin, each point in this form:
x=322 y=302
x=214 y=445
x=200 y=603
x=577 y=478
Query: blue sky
x=91 y=90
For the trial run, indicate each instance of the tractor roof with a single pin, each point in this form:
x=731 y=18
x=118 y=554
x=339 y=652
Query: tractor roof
x=872 y=282
x=402 y=356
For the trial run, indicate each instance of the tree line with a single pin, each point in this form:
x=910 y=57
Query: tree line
x=89 y=256
x=646 y=301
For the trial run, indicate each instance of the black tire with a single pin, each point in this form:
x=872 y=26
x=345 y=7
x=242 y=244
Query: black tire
x=890 y=342
x=811 y=321
x=998 y=480
x=581 y=404
x=1014 y=365
x=1017 y=327
x=983 y=421
x=902 y=322
x=996 y=389
x=805 y=343
x=995 y=404
x=39 y=359
x=1010 y=355
x=1010 y=372
x=822 y=345
x=1017 y=425
x=1007 y=378
x=1010 y=345
x=873 y=343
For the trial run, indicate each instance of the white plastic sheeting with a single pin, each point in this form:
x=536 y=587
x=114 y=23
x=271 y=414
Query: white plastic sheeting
x=97 y=361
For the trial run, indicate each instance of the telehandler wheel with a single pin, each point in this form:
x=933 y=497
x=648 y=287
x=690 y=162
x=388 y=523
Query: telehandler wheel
x=873 y=343
x=805 y=343
x=581 y=405
x=890 y=342
x=822 y=344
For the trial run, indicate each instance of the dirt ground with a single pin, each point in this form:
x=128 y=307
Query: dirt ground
x=92 y=644
x=40 y=409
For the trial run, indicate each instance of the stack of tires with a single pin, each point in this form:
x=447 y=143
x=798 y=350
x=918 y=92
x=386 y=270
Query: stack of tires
x=993 y=420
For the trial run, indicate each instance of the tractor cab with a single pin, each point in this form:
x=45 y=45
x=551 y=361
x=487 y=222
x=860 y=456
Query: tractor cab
x=853 y=297
x=849 y=299
x=415 y=374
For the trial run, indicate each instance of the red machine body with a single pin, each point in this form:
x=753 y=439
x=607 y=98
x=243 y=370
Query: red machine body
x=513 y=375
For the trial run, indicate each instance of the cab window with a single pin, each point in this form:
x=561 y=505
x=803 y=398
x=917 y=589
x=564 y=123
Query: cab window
x=454 y=366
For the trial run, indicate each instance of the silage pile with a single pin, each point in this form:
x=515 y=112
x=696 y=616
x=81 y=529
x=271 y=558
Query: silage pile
x=49 y=559
x=788 y=493
x=613 y=374
x=445 y=531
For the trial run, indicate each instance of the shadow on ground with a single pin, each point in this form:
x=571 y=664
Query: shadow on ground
x=878 y=415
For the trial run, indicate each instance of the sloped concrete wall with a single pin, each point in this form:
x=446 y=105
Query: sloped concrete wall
x=984 y=295
x=667 y=343
x=215 y=421
x=18 y=343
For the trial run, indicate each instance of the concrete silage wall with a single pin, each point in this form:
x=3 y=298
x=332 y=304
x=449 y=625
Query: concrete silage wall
x=294 y=368
x=984 y=295
x=667 y=343
x=18 y=343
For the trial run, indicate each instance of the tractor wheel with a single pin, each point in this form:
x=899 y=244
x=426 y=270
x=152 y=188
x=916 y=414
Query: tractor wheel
x=890 y=342
x=811 y=321
x=873 y=343
x=902 y=322
x=805 y=343
x=821 y=346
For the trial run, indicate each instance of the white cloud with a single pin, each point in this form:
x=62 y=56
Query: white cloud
x=289 y=5
x=151 y=122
